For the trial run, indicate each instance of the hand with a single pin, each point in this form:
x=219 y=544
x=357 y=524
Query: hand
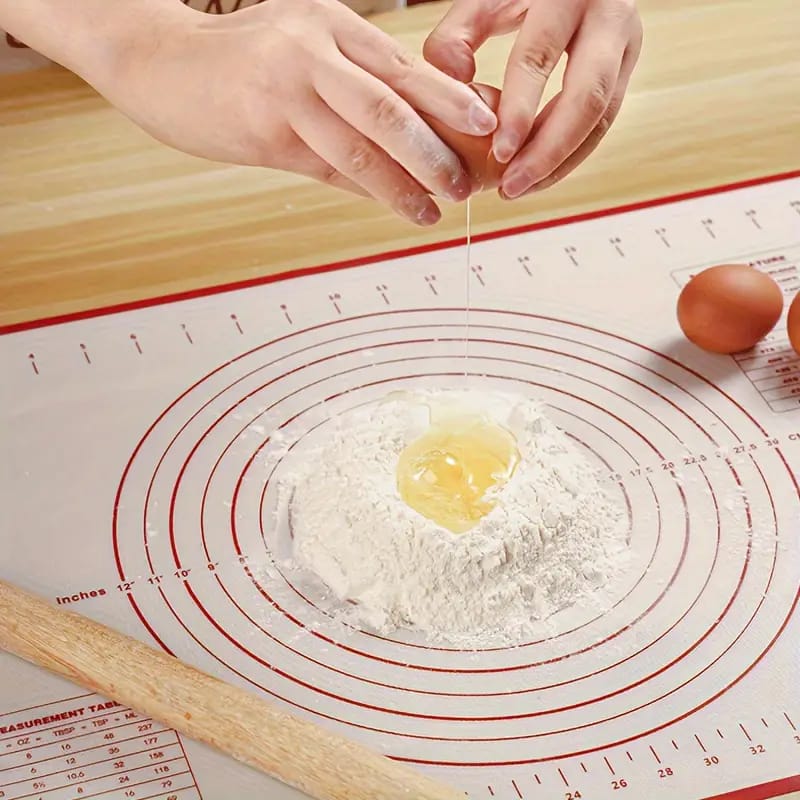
x=603 y=40
x=306 y=86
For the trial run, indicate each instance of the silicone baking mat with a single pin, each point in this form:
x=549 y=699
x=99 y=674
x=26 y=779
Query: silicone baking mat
x=139 y=474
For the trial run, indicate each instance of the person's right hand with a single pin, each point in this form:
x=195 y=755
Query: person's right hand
x=602 y=40
x=301 y=85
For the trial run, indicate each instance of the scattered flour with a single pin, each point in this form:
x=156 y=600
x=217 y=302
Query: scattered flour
x=552 y=539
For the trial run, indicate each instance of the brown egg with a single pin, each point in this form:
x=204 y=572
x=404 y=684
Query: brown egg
x=793 y=324
x=729 y=308
x=475 y=151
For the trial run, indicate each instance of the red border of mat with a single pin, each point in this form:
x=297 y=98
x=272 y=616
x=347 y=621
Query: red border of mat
x=763 y=791
x=363 y=260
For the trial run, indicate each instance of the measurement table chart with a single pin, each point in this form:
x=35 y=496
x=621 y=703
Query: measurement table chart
x=90 y=747
x=143 y=447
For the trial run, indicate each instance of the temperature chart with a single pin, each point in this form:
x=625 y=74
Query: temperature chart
x=144 y=445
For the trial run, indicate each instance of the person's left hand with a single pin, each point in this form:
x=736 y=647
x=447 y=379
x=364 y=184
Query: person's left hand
x=602 y=39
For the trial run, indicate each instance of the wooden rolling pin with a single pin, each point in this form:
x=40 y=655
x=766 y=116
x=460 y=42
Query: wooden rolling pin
x=301 y=754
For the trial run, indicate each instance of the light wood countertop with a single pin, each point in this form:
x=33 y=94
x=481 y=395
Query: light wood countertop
x=92 y=212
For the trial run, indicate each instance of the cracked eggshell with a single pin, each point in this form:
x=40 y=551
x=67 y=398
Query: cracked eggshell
x=475 y=152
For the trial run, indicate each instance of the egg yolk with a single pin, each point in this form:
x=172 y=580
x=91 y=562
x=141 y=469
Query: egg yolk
x=445 y=473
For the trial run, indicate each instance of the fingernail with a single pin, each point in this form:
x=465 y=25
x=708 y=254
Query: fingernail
x=515 y=182
x=427 y=215
x=460 y=188
x=505 y=147
x=481 y=119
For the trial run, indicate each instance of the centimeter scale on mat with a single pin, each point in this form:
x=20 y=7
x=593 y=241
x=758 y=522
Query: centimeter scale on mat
x=91 y=750
x=148 y=443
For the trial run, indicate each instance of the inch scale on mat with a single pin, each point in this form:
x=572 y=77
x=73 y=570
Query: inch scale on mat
x=684 y=689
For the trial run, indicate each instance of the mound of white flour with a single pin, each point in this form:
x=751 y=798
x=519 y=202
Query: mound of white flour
x=553 y=537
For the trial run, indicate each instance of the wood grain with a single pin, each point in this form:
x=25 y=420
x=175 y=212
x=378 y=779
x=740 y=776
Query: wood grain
x=322 y=764
x=93 y=212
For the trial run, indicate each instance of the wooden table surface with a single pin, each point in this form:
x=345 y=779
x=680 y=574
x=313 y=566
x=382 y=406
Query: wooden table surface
x=92 y=212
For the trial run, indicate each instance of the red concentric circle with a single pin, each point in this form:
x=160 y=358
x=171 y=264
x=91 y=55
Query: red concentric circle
x=687 y=620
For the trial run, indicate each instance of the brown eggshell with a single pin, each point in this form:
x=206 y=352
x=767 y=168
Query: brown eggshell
x=729 y=308
x=793 y=323
x=475 y=151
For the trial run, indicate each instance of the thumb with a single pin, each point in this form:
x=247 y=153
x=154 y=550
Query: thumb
x=451 y=45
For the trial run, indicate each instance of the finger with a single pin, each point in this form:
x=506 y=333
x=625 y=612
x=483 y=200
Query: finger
x=574 y=117
x=595 y=135
x=452 y=44
x=585 y=149
x=372 y=108
x=546 y=31
x=314 y=167
x=415 y=80
x=298 y=157
x=361 y=161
